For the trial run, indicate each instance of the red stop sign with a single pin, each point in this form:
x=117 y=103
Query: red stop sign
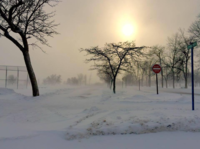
x=156 y=68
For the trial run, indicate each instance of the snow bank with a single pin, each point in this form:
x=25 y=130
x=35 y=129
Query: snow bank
x=135 y=126
x=87 y=111
x=5 y=91
x=125 y=113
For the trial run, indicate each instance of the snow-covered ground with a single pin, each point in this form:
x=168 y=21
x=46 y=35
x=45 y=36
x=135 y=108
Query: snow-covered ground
x=92 y=117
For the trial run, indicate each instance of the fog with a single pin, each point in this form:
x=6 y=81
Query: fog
x=90 y=23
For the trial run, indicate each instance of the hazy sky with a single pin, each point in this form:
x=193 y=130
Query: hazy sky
x=87 y=23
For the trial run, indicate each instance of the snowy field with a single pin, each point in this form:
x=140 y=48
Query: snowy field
x=90 y=117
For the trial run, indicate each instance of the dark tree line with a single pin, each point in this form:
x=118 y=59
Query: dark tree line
x=81 y=79
x=174 y=59
x=53 y=80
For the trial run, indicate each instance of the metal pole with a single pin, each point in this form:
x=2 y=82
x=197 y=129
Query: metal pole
x=192 y=81
x=6 y=77
x=157 y=82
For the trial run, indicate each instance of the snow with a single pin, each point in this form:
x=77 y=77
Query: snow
x=94 y=117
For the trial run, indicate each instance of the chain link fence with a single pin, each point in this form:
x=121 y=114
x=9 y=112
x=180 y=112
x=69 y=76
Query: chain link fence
x=14 y=77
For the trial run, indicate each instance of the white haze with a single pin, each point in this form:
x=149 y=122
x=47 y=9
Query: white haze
x=89 y=23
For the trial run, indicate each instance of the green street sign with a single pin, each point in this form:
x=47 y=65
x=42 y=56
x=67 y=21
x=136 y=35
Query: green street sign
x=192 y=45
x=189 y=47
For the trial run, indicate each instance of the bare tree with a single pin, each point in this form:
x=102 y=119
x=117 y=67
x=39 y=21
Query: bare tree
x=166 y=70
x=12 y=79
x=143 y=70
x=21 y=20
x=195 y=29
x=178 y=45
x=104 y=73
x=52 y=80
x=129 y=78
x=150 y=62
x=138 y=73
x=118 y=56
x=174 y=57
x=158 y=51
x=72 y=81
x=185 y=54
x=106 y=78
x=80 y=78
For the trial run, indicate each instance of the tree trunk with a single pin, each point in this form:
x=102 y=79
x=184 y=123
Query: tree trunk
x=114 y=85
x=186 y=72
x=147 y=80
x=162 y=74
x=173 y=79
x=166 y=83
x=142 y=79
x=31 y=73
x=150 y=78
x=139 y=84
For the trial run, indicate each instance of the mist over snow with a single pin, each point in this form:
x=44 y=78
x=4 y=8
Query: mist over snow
x=71 y=116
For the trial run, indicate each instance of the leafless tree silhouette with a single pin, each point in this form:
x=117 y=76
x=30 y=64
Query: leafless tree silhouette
x=21 y=20
x=118 y=56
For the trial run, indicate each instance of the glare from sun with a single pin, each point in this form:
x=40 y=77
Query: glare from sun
x=128 y=29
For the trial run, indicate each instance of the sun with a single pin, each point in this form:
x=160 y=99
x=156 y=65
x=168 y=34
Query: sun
x=128 y=29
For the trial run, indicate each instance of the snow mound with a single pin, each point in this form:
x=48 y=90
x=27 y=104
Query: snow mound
x=134 y=126
x=10 y=94
x=5 y=91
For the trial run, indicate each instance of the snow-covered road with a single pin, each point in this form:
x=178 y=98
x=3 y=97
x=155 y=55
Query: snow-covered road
x=93 y=117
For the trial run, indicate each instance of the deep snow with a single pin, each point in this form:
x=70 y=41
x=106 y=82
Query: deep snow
x=93 y=117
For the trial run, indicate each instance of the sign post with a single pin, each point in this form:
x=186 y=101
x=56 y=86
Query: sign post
x=157 y=82
x=156 y=69
x=191 y=46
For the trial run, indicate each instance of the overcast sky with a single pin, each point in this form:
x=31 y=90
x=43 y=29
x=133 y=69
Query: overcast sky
x=87 y=23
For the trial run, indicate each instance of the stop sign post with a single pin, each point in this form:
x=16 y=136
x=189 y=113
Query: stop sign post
x=156 y=69
x=191 y=46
